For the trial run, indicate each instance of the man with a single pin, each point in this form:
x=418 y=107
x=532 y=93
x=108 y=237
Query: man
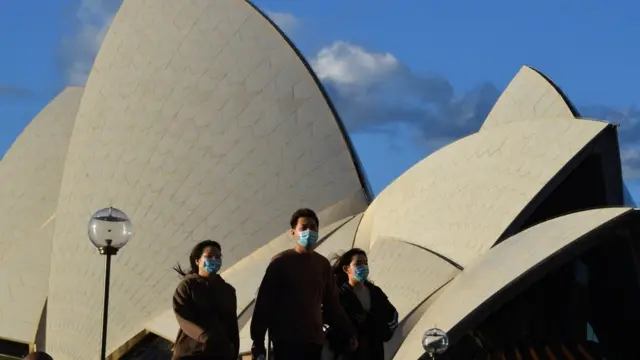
x=297 y=288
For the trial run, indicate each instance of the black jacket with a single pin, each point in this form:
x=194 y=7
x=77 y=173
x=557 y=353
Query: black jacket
x=374 y=327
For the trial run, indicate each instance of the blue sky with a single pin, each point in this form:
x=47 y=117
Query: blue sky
x=462 y=53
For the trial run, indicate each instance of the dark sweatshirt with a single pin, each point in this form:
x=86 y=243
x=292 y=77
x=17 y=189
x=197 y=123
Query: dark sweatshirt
x=295 y=290
x=206 y=312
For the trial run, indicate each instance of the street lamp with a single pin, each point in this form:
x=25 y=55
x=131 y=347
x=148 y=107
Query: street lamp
x=109 y=231
x=434 y=342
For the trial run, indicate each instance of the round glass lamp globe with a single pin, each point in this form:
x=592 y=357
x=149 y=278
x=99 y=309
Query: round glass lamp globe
x=435 y=341
x=110 y=227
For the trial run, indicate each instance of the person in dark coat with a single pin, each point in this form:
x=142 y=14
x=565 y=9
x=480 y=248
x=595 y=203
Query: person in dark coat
x=367 y=306
x=205 y=307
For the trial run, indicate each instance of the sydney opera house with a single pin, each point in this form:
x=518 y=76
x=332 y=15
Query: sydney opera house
x=201 y=120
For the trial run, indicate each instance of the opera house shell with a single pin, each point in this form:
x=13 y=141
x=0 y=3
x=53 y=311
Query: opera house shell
x=200 y=119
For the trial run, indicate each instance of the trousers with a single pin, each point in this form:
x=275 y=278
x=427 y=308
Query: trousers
x=200 y=357
x=296 y=351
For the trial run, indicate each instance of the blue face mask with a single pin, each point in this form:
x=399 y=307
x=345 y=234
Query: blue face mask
x=361 y=273
x=307 y=238
x=212 y=266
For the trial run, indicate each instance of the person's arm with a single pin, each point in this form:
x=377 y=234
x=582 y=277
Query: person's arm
x=335 y=314
x=264 y=304
x=235 y=330
x=386 y=315
x=338 y=342
x=184 y=309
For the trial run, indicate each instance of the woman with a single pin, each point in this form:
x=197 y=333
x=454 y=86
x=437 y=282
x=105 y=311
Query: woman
x=205 y=307
x=366 y=305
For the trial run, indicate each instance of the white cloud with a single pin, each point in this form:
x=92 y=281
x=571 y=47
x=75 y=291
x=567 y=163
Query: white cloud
x=628 y=134
x=631 y=162
x=346 y=64
x=287 y=22
x=374 y=89
x=93 y=18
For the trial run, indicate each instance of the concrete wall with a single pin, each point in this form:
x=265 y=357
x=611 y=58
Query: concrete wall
x=458 y=201
x=529 y=96
x=31 y=171
x=501 y=267
x=199 y=121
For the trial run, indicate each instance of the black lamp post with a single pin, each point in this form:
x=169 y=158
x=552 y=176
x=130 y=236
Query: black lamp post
x=109 y=231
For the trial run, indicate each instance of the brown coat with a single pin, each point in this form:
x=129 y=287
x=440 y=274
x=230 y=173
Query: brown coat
x=206 y=312
x=295 y=290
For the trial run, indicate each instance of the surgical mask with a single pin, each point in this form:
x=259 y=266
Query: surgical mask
x=212 y=266
x=307 y=238
x=361 y=273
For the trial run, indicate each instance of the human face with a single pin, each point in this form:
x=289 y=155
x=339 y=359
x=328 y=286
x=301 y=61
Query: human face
x=304 y=227
x=209 y=253
x=355 y=269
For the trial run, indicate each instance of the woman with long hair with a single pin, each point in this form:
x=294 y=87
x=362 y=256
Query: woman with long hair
x=205 y=307
x=366 y=305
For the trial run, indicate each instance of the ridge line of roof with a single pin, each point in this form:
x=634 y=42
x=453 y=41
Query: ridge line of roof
x=355 y=159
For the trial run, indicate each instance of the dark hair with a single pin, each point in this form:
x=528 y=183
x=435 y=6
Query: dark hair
x=303 y=213
x=340 y=261
x=196 y=253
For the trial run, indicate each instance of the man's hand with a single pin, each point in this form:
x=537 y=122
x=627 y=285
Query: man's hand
x=353 y=343
x=258 y=352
